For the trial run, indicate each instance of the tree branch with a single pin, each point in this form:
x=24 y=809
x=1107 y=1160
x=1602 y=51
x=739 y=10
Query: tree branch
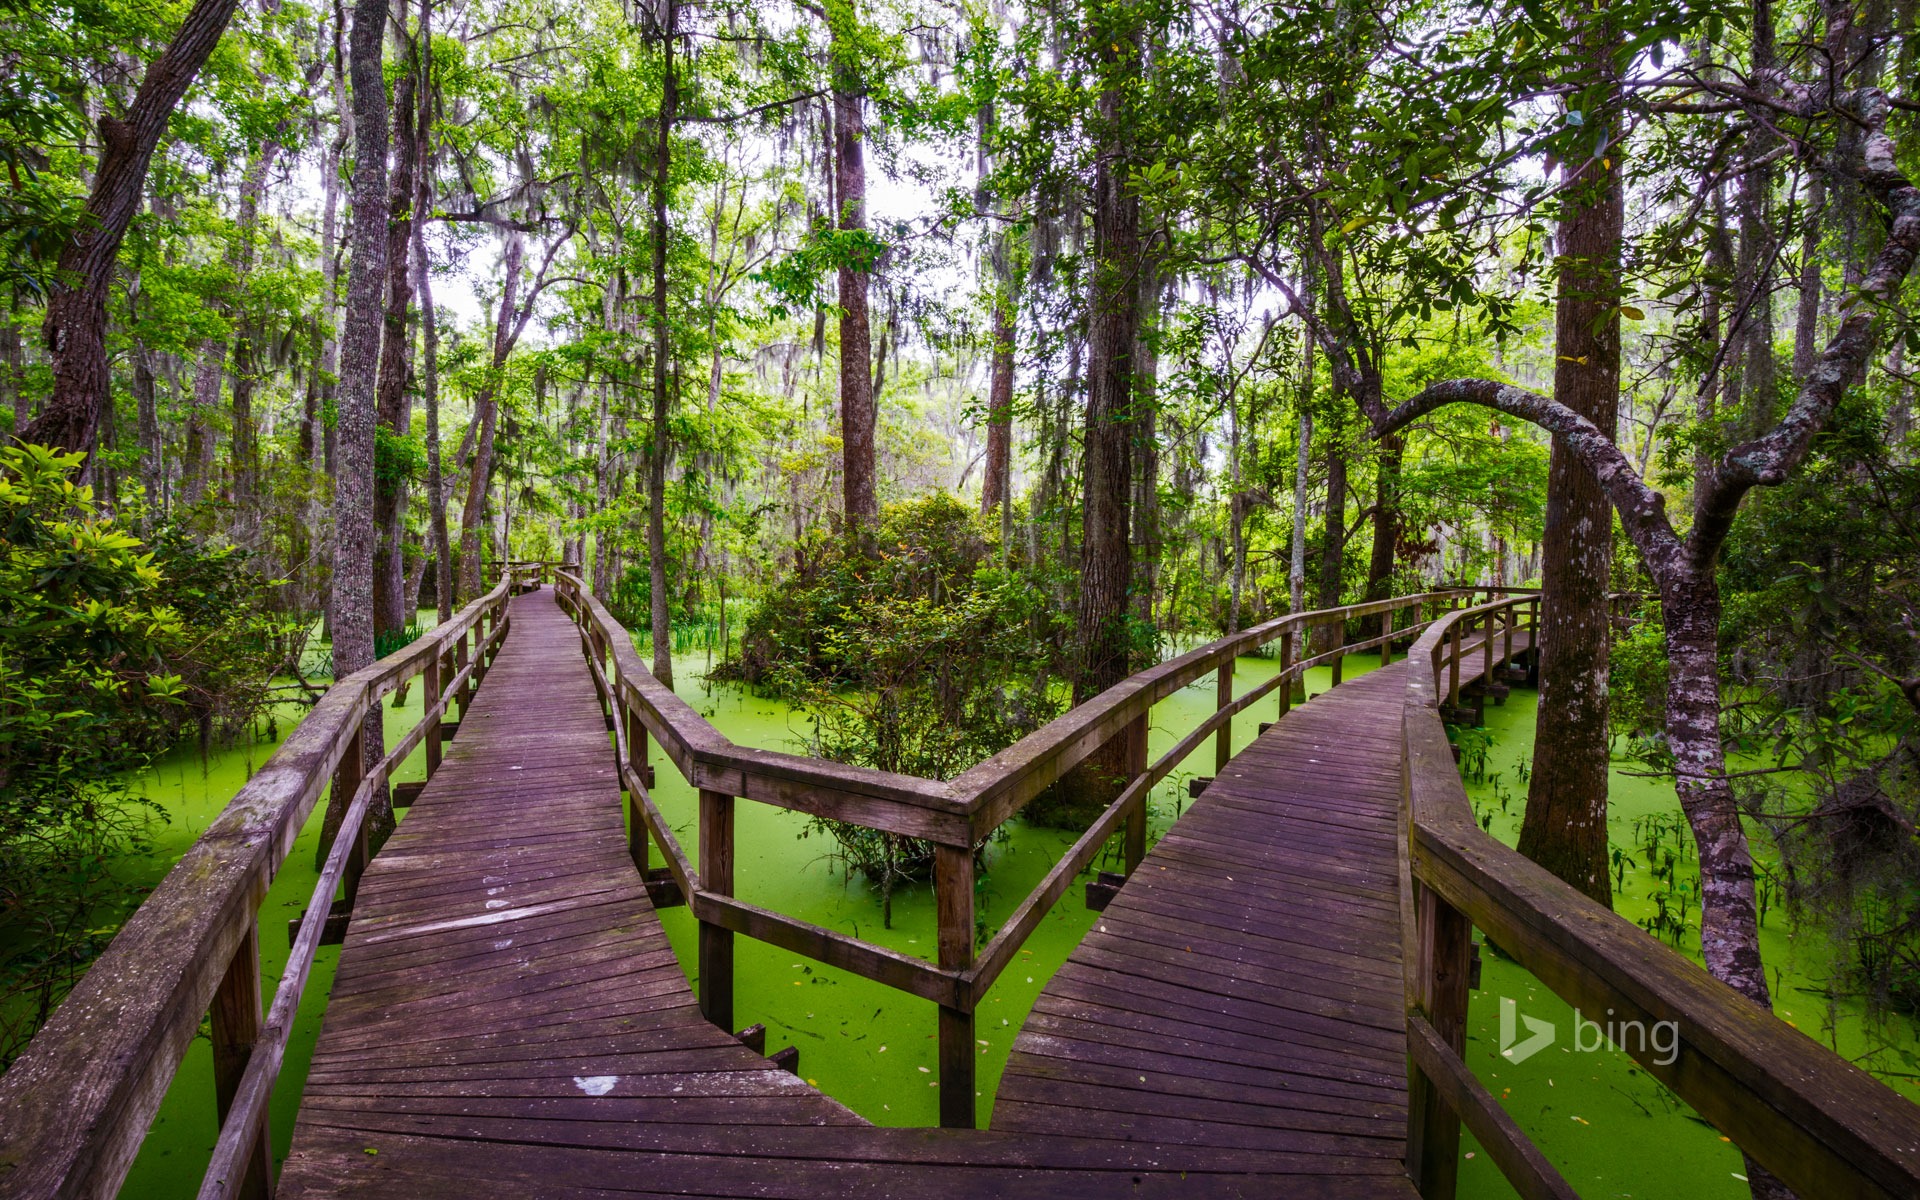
x=1642 y=510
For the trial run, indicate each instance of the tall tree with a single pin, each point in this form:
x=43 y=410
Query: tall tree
x=1102 y=629
x=1565 y=827
x=392 y=607
x=351 y=611
x=660 y=443
x=857 y=404
x=76 y=323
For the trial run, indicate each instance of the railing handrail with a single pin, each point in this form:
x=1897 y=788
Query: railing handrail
x=956 y=816
x=1823 y=1125
x=710 y=759
x=79 y=1100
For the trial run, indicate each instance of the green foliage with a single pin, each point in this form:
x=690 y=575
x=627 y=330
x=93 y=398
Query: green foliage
x=110 y=649
x=397 y=458
x=913 y=650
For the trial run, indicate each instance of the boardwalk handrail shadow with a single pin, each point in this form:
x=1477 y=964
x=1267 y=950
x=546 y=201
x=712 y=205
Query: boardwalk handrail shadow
x=956 y=816
x=1823 y=1125
x=79 y=1100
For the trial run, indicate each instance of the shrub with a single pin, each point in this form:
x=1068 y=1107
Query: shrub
x=110 y=650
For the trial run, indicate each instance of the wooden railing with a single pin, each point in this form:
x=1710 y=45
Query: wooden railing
x=956 y=816
x=79 y=1100
x=1825 y=1127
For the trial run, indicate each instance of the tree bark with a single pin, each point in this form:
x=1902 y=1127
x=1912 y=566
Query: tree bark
x=996 y=486
x=1565 y=827
x=660 y=444
x=1102 y=628
x=857 y=412
x=353 y=528
x=486 y=414
x=1148 y=535
x=243 y=452
x=430 y=328
x=392 y=607
x=1386 y=526
x=76 y=321
x=1333 y=548
x=147 y=404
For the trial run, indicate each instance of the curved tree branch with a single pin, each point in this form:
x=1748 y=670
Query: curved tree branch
x=1642 y=510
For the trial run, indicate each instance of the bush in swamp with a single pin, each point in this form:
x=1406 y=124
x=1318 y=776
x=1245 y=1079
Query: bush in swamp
x=110 y=650
x=917 y=649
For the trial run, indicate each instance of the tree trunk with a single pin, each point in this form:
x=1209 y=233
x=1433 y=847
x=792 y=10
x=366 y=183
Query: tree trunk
x=1565 y=827
x=13 y=380
x=486 y=413
x=196 y=461
x=392 y=608
x=353 y=528
x=1102 y=628
x=1297 y=560
x=243 y=453
x=146 y=401
x=76 y=321
x=857 y=413
x=429 y=326
x=1386 y=526
x=996 y=485
x=1751 y=329
x=660 y=444
x=1333 y=549
x=1147 y=534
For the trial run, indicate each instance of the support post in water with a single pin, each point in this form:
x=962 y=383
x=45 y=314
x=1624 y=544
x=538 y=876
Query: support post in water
x=429 y=698
x=1453 y=664
x=953 y=896
x=346 y=783
x=1286 y=664
x=1135 y=845
x=1223 y=740
x=1444 y=938
x=461 y=658
x=235 y=1018
x=636 y=819
x=716 y=875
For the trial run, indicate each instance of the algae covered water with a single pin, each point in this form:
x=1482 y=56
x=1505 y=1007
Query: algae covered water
x=1608 y=1126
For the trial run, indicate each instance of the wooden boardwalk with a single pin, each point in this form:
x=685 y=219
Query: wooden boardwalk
x=508 y=1019
x=504 y=978
x=1243 y=990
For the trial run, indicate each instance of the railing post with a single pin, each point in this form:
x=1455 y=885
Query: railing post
x=1135 y=845
x=1339 y=644
x=1286 y=664
x=353 y=773
x=716 y=875
x=1223 y=696
x=235 y=1018
x=462 y=656
x=953 y=896
x=1453 y=664
x=1444 y=938
x=637 y=847
x=1486 y=653
x=431 y=696
x=1386 y=638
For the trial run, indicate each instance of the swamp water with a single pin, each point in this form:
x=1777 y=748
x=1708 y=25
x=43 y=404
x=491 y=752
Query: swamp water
x=1611 y=1129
